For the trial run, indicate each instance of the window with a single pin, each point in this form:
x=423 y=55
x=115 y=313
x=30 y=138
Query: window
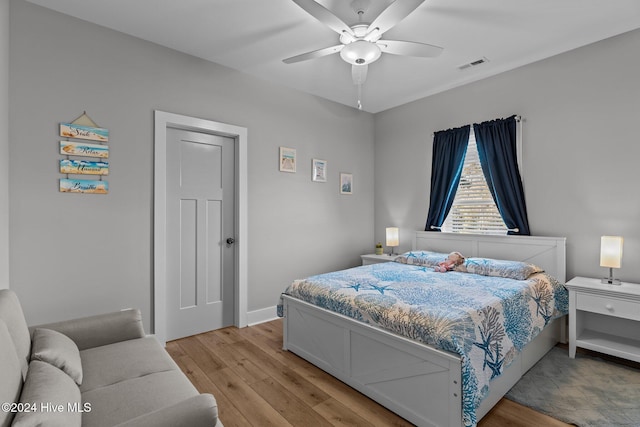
x=473 y=209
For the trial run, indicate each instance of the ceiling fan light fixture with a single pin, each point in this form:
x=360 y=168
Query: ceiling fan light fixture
x=360 y=52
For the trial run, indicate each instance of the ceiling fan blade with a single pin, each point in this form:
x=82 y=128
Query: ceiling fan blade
x=394 y=13
x=359 y=74
x=314 y=54
x=397 y=47
x=325 y=16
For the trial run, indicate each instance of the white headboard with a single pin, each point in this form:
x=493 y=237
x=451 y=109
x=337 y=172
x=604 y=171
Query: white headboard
x=546 y=252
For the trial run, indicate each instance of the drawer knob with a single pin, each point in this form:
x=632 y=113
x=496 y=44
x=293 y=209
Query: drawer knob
x=609 y=307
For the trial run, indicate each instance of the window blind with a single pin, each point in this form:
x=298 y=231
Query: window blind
x=473 y=209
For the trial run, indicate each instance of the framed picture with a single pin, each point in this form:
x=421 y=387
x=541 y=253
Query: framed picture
x=319 y=170
x=346 y=183
x=287 y=159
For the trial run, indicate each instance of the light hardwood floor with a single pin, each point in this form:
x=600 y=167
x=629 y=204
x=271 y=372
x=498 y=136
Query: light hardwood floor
x=258 y=384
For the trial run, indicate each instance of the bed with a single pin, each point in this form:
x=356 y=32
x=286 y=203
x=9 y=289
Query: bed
x=428 y=383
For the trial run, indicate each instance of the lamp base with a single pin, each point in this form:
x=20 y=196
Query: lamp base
x=611 y=281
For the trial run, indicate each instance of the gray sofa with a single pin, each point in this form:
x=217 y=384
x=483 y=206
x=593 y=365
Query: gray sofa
x=96 y=371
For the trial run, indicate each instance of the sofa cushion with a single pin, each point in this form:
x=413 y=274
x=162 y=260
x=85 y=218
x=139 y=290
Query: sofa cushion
x=110 y=364
x=102 y=329
x=122 y=401
x=58 y=350
x=47 y=388
x=196 y=411
x=10 y=374
x=11 y=313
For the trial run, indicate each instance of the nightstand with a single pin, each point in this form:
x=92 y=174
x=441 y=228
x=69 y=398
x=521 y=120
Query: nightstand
x=604 y=318
x=376 y=259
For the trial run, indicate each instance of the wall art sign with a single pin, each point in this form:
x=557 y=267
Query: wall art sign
x=287 y=159
x=71 y=130
x=88 y=186
x=84 y=167
x=84 y=149
x=84 y=128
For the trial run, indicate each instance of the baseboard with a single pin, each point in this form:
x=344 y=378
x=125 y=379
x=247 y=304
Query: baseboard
x=263 y=315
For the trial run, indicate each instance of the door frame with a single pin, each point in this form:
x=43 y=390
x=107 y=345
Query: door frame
x=162 y=121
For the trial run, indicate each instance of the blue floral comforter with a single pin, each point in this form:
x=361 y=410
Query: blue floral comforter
x=486 y=320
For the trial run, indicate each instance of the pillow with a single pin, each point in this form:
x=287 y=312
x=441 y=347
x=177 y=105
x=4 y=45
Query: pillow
x=58 y=350
x=422 y=258
x=501 y=268
x=52 y=395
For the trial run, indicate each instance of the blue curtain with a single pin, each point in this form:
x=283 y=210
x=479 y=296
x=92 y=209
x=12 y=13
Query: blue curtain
x=449 y=149
x=496 y=142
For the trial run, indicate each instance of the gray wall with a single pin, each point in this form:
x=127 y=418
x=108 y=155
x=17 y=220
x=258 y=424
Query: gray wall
x=73 y=255
x=4 y=144
x=80 y=254
x=580 y=154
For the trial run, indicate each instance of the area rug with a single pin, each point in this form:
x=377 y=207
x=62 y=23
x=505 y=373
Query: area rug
x=585 y=391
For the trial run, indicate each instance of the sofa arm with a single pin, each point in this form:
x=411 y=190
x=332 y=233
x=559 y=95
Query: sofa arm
x=103 y=329
x=197 y=411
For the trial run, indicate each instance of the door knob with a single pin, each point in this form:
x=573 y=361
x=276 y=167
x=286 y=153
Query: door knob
x=231 y=241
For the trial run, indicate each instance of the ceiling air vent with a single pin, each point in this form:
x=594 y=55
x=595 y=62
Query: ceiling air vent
x=473 y=63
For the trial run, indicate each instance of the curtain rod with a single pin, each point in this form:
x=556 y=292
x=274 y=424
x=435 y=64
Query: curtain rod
x=517 y=117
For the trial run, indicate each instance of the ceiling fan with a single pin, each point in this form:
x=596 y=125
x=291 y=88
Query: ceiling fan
x=361 y=43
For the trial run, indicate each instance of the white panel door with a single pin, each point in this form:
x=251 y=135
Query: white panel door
x=200 y=232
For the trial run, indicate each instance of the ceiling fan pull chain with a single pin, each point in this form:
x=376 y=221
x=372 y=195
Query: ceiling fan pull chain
x=360 y=96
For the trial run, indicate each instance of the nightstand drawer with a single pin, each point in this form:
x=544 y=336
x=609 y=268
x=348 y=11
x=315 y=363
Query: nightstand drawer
x=609 y=306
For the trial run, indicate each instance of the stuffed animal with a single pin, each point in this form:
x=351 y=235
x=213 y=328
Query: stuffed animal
x=453 y=260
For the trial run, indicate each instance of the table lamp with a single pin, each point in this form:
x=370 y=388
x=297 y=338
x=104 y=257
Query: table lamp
x=611 y=256
x=393 y=239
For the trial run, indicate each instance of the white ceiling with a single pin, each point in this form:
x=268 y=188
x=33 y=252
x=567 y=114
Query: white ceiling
x=254 y=36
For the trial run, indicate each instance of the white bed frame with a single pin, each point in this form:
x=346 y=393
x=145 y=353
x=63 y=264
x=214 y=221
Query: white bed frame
x=418 y=382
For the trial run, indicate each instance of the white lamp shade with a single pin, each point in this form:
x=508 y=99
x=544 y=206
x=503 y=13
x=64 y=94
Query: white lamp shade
x=393 y=238
x=611 y=251
x=360 y=52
